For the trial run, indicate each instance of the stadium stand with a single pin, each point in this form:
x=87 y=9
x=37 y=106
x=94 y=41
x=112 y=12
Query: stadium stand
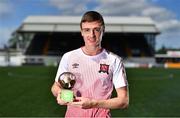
x=129 y=37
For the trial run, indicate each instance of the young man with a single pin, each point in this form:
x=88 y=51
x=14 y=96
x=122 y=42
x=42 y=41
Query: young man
x=97 y=72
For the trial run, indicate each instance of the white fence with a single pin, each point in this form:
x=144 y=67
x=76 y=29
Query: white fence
x=18 y=60
x=11 y=59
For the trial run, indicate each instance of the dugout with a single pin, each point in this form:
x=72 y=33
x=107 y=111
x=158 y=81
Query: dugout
x=54 y=35
x=169 y=57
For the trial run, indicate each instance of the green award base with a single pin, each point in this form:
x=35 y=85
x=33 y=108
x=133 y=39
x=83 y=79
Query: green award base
x=67 y=95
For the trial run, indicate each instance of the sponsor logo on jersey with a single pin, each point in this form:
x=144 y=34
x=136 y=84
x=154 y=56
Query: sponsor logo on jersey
x=75 y=65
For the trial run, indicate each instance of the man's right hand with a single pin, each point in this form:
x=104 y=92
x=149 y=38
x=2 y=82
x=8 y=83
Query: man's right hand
x=60 y=101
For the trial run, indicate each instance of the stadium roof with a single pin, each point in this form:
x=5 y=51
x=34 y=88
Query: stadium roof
x=71 y=24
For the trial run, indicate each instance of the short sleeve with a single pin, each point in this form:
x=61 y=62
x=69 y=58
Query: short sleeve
x=63 y=66
x=119 y=74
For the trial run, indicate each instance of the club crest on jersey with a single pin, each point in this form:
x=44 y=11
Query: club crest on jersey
x=104 y=68
x=75 y=65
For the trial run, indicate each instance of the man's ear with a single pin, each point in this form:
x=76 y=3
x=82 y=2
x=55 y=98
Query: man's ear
x=103 y=32
x=81 y=33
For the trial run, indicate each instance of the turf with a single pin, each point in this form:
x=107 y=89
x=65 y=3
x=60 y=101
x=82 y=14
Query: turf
x=25 y=92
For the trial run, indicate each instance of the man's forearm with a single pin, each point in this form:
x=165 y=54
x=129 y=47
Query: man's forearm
x=113 y=103
x=55 y=89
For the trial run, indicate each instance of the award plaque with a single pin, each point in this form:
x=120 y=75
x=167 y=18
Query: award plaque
x=67 y=81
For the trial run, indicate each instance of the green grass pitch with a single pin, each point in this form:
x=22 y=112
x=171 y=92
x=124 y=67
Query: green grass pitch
x=25 y=92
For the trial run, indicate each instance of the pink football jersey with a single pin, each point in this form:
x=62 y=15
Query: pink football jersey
x=95 y=78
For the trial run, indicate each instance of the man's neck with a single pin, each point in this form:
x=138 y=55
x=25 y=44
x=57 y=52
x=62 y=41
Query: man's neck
x=91 y=51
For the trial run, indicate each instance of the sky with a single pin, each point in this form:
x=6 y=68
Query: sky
x=165 y=13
